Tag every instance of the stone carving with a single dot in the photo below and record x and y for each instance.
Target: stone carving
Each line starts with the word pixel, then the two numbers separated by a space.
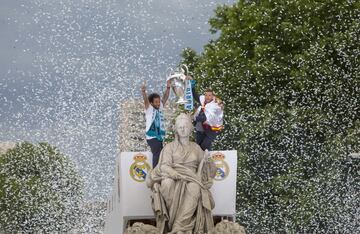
pixel 224 227
pixel 180 184
pixel 228 227
pixel 140 228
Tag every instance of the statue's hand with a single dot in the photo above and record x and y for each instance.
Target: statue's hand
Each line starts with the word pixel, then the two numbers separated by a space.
pixel 175 175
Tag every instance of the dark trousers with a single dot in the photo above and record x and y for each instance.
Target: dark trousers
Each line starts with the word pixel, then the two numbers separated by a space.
pixel 205 138
pixel 156 146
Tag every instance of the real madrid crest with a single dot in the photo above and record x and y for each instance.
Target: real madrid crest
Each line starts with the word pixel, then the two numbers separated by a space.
pixel 140 168
pixel 222 168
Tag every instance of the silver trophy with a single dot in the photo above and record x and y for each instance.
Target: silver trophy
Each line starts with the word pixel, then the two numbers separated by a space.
pixel 177 79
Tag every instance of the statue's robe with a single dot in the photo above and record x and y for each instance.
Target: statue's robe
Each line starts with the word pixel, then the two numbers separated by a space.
pixel 180 183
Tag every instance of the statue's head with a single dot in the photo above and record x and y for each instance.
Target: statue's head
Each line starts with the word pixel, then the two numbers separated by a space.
pixel 183 125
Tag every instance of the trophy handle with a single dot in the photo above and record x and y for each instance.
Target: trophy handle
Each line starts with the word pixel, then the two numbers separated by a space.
pixel 169 72
pixel 184 69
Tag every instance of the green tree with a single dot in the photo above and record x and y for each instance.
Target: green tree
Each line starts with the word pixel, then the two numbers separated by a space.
pixel 288 72
pixel 40 190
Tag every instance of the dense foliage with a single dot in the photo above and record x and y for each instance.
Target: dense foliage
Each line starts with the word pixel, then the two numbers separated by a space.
pixel 40 190
pixel 288 72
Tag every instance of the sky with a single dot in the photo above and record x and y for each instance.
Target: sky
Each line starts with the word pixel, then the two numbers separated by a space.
pixel 65 65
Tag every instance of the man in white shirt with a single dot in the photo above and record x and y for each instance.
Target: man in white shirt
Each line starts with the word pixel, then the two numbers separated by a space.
pixel 155 128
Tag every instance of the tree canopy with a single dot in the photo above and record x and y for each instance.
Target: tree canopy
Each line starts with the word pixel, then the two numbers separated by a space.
pixel 288 72
pixel 40 190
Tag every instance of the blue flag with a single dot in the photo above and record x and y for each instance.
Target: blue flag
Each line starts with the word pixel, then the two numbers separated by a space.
pixel 189 105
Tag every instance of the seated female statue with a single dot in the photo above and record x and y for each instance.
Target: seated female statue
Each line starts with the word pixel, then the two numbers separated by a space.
pixel 180 183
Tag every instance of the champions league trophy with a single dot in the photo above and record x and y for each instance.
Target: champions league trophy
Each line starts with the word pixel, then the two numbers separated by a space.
pixel 177 79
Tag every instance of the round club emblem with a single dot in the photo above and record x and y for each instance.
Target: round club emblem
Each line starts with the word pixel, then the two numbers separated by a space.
pixel 140 168
pixel 222 168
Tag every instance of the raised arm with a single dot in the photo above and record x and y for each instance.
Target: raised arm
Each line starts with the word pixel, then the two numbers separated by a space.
pixel 143 92
pixel 167 93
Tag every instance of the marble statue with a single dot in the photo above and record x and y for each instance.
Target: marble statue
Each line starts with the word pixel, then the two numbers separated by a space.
pixel 180 183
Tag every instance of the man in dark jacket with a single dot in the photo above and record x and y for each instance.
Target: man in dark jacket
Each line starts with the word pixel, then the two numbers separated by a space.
pixel 208 117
